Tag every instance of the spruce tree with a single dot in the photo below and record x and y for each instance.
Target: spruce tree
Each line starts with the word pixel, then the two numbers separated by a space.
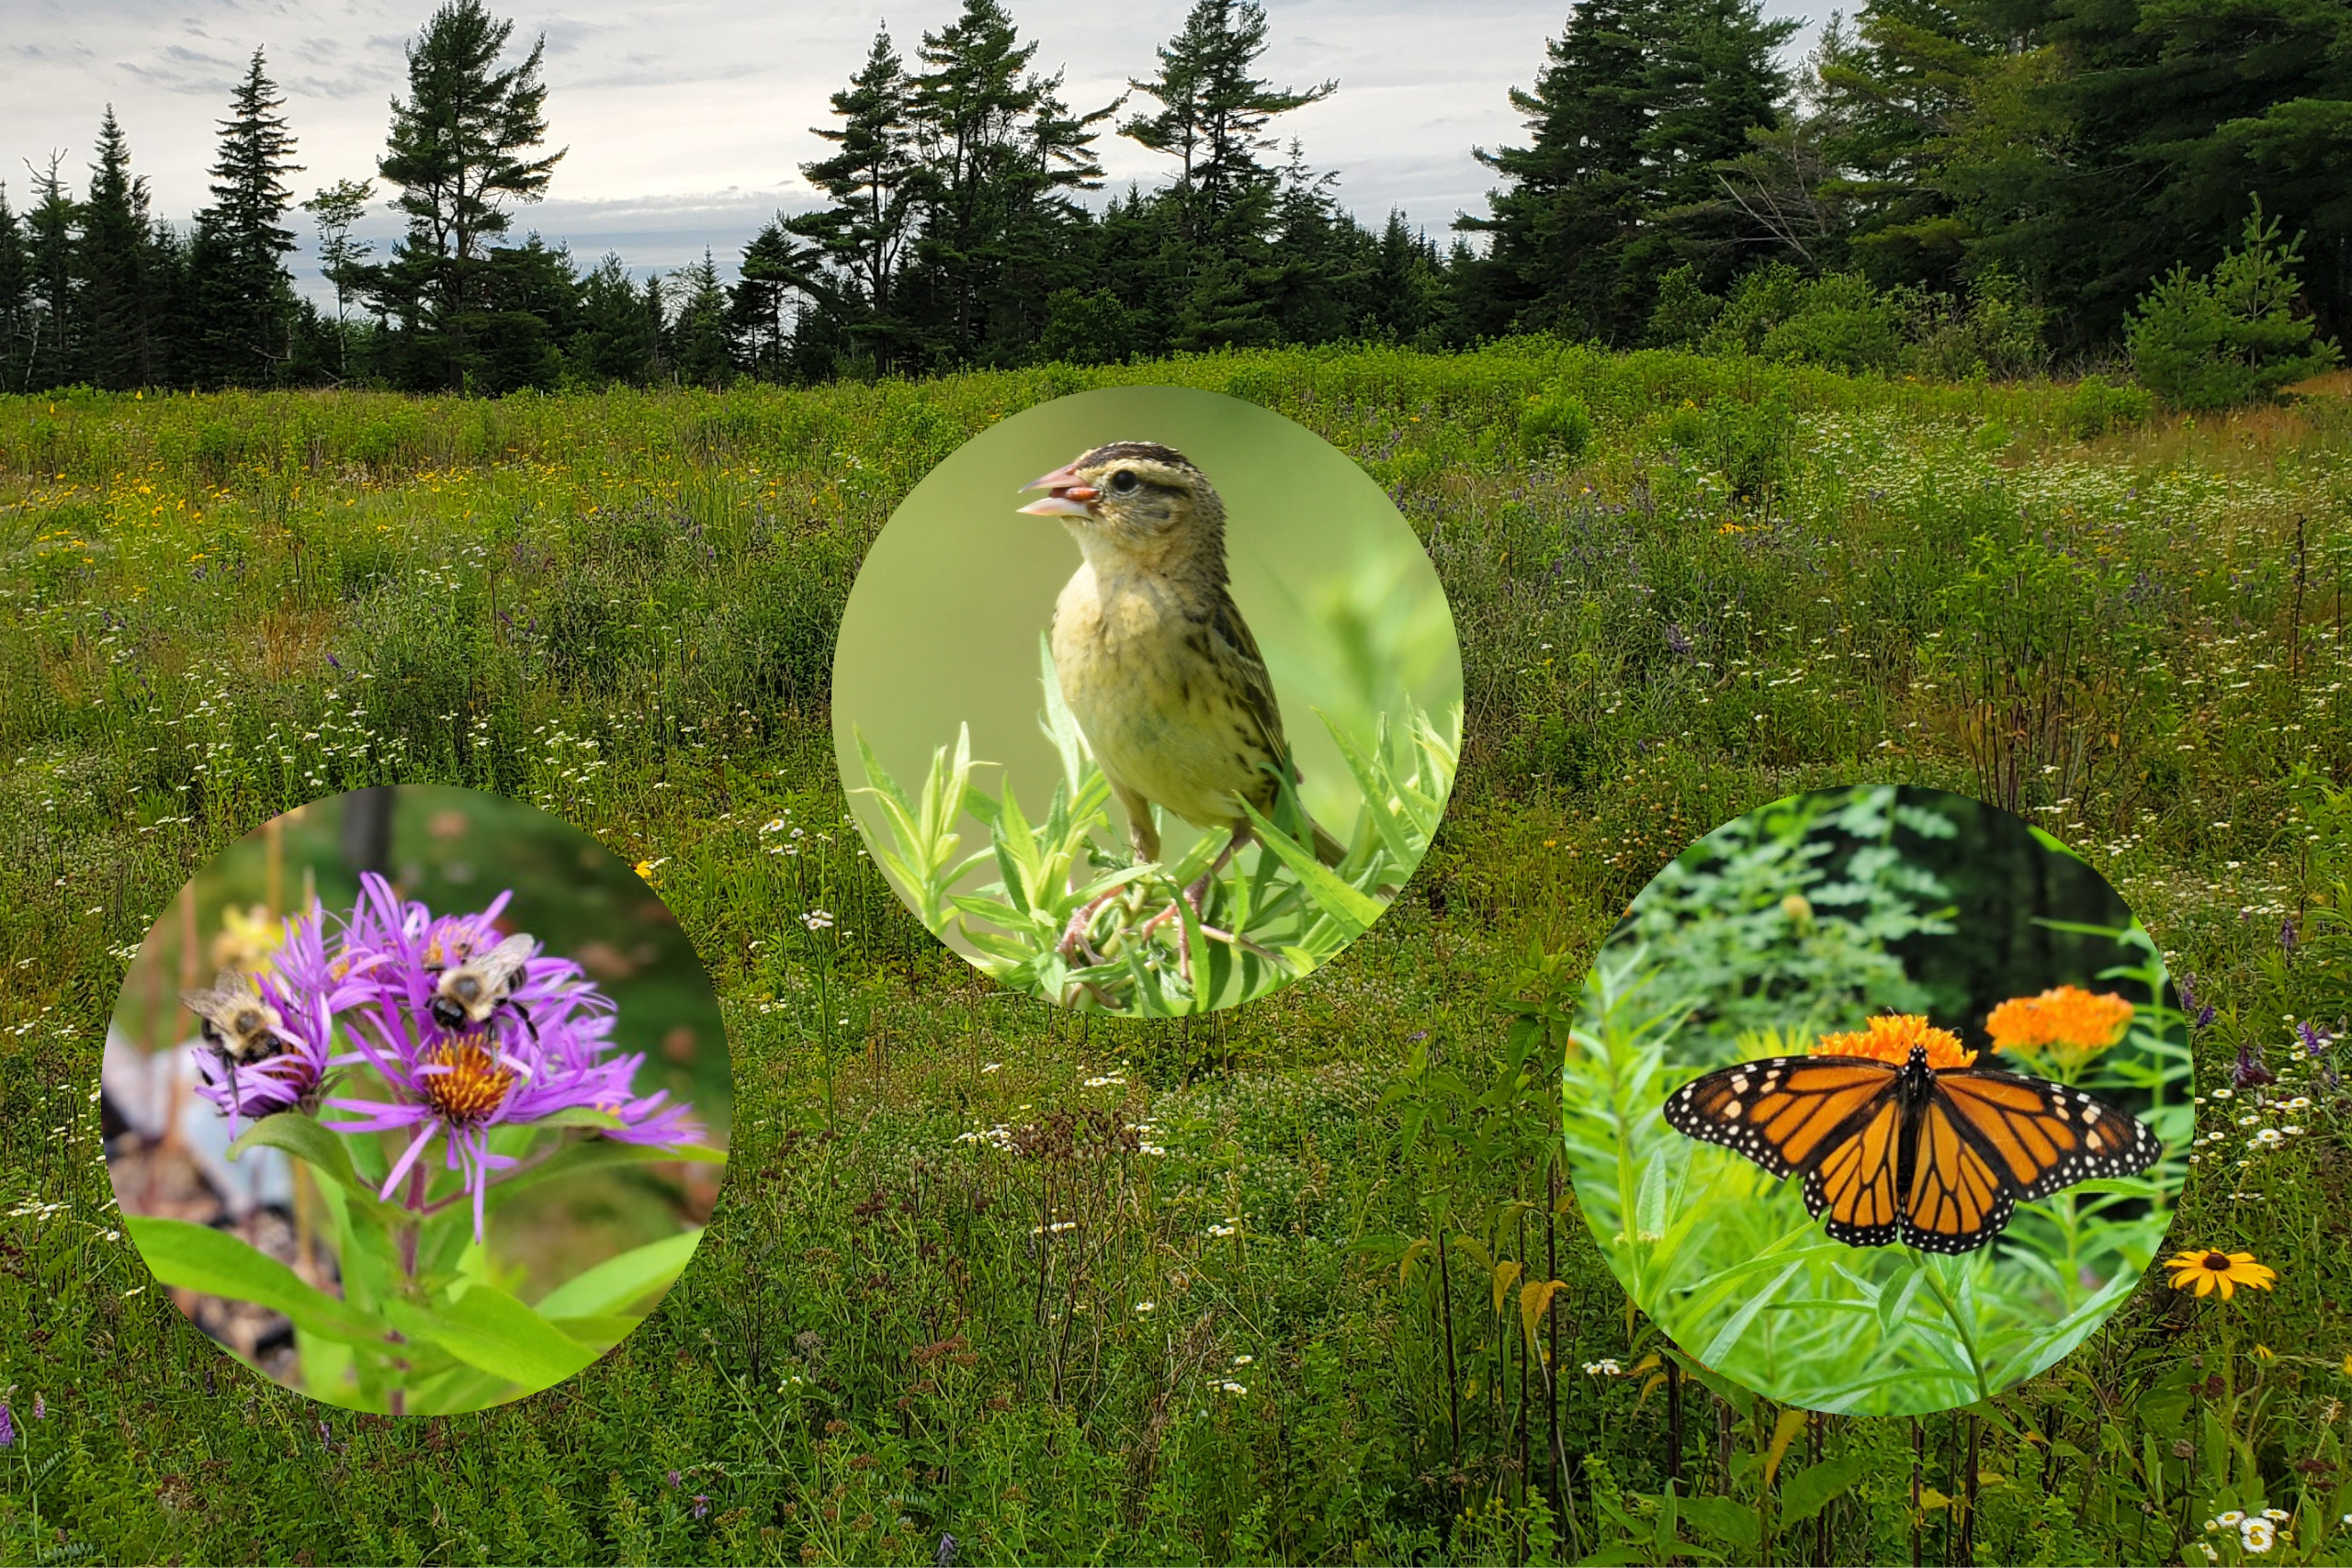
pixel 117 301
pixel 242 294
pixel 698 346
pixel 460 151
pixel 615 341
pixel 1578 191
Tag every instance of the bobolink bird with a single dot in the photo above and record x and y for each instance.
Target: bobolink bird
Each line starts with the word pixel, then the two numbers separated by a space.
pixel 1155 660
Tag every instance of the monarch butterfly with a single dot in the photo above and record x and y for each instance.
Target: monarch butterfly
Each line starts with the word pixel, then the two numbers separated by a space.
pixel 1940 1157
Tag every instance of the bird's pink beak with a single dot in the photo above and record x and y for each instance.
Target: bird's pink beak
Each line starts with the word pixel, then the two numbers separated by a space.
pixel 1069 497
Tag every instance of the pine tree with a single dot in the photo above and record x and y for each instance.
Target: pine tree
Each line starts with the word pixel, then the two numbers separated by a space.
pixel 761 315
pixel 458 151
pixel 1642 107
pixel 117 303
pixel 53 345
pixel 1212 114
pixel 965 113
pixel 873 182
pixel 243 296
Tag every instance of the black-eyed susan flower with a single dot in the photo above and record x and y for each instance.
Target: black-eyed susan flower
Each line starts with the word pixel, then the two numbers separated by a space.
pixel 2204 1271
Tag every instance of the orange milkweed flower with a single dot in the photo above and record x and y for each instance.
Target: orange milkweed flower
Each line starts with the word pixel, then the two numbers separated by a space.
pixel 1889 1039
pixel 2066 1018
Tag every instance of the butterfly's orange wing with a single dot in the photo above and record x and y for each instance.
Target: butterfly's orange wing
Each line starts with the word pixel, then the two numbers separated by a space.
pixel 1942 1165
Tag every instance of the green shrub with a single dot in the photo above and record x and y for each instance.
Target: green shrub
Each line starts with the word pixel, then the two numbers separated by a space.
pixel 2098 405
pixel 1684 310
pixel 1994 330
pixel 1555 424
pixel 2232 337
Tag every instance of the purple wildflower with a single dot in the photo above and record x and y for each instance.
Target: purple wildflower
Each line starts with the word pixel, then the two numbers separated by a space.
pixel 674 1480
pixel 2316 1041
pixel 2287 937
pixel 543 1053
pixel 40 1408
pixel 2251 1071
pixel 702 1503
pixel 308 990
pixel 7 1428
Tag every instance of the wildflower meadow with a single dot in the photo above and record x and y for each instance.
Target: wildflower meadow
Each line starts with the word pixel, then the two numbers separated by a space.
pixel 990 1280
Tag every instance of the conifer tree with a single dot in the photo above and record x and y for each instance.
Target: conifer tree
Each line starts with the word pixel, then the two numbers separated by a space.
pixel 1213 115
pixel 460 151
pixel 242 294
pixel 53 345
pixel 117 301
pixel 698 346
pixel 15 299
pixel 874 183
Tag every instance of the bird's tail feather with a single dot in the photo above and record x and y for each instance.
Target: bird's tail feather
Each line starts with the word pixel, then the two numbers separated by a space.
pixel 1328 849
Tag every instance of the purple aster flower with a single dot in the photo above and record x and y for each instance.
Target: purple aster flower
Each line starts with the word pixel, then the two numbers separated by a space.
pixel 306 989
pixel 541 1052
pixel 2251 1071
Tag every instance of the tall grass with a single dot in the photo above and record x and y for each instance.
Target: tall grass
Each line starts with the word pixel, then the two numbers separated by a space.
pixel 990 1269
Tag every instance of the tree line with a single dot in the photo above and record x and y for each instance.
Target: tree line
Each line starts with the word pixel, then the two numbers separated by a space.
pixel 1968 185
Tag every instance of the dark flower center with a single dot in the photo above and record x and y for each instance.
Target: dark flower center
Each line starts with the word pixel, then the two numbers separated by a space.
pixel 2217 1261
pixel 474 1085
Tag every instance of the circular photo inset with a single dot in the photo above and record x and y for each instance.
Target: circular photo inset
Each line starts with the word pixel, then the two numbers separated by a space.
pixel 1878 1102
pixel 1147 700
pixel 416 1100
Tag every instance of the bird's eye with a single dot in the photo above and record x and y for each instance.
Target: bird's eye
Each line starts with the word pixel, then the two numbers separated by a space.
pixel 1122 482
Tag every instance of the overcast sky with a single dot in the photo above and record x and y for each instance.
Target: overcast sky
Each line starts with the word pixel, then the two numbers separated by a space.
pixel 687 120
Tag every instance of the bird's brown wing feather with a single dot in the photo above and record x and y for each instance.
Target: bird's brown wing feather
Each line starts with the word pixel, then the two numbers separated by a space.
pixel 1254 685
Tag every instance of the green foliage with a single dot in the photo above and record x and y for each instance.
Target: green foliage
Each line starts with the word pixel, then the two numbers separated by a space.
pixel 2205 723
pixel 1783 919
pixel 2098 406
pixel 1264 920
pixel 1743 1277
pixel 2233 336
pixel 1555 424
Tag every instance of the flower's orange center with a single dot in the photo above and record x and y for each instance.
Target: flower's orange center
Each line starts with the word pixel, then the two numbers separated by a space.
pixel 474 1085
pixel 1891 1037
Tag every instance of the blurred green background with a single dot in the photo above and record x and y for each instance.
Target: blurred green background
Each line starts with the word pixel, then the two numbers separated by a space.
pixel 942 627
pixel 456 850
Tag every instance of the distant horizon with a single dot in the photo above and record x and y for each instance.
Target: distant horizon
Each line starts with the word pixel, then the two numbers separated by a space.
pixel 1417 90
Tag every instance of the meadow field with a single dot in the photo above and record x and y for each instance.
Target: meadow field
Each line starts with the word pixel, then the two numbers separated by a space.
pixel 1300 1281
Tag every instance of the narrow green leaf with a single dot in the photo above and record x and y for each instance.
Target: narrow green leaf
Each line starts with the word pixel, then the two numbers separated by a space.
pixel 489 1329
pixel 620 1282
pixel 198 1258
